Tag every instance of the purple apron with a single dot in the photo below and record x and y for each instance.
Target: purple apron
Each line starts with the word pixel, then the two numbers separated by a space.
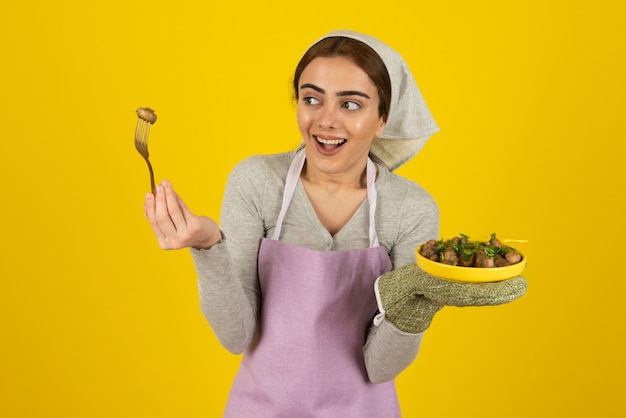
pixel 316 308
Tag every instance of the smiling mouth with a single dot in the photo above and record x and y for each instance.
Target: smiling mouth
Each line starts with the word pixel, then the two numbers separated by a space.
pixel 329 143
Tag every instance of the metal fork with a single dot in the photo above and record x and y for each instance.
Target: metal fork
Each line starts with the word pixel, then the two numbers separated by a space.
pixel 146 117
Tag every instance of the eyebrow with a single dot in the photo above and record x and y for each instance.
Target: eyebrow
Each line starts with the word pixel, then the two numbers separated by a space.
pixel 340 93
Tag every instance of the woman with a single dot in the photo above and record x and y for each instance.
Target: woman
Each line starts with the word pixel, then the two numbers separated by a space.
pixel 292 280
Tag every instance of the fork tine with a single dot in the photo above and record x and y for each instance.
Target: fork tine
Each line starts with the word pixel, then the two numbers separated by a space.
pixel 142 132
pixel 137 143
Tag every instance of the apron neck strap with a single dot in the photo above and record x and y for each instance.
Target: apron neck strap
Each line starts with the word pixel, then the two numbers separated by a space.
pixel 293 175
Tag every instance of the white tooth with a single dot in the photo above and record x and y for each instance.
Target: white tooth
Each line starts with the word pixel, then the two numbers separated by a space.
pixel 331 141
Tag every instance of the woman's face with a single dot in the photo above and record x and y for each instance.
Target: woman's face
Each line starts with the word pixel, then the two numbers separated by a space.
pixel 337 115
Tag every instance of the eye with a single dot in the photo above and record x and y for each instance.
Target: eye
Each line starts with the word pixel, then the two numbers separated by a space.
pixel 311 101
pixel 351 105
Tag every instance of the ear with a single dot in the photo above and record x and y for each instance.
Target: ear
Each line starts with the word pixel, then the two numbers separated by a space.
pixel 381 128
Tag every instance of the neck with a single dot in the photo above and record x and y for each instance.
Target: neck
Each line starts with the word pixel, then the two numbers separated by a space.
pixel 354 178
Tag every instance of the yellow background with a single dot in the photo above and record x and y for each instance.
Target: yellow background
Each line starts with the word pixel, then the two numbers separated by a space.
pixel 96 321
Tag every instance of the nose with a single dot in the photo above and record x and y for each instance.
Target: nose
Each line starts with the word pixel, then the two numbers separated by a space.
pixel 329 117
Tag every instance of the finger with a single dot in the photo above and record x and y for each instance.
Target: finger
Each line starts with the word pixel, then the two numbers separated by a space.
pixel 162 216
pixel 146 206
pixel 187 214
pixel 173 206
pixel 150 212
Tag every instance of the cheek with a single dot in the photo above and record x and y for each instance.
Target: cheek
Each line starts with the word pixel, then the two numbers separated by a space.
pixel 299 120
pixel 369 128
pixel 303 119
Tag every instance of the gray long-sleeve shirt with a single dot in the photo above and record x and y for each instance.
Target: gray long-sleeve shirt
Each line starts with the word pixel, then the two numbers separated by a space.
pixel 406 217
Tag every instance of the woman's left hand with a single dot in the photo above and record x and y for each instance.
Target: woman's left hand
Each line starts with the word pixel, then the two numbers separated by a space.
pixel 410 297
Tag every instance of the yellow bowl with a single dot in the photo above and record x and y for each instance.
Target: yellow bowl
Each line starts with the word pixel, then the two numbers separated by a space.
pixel 469 274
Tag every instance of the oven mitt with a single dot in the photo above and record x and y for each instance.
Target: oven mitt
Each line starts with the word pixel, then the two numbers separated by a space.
pixel 409 298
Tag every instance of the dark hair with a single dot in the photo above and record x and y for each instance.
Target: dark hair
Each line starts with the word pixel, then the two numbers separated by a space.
pixel 362 55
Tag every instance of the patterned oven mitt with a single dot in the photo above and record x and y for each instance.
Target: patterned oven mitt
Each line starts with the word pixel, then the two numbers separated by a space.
pixel 409 298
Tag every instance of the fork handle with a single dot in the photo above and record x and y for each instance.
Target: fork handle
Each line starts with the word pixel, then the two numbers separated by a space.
pixel 152 186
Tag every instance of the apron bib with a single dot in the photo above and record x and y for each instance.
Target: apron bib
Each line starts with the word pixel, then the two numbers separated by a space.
pixel 316 308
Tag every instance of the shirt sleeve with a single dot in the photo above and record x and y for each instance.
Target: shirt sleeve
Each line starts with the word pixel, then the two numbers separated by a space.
pixel 227 273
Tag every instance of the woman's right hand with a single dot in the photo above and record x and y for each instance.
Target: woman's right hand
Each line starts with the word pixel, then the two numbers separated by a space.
pixel 174 225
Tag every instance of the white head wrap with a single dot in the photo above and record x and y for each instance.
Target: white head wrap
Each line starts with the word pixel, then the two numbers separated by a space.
pixel 409 123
